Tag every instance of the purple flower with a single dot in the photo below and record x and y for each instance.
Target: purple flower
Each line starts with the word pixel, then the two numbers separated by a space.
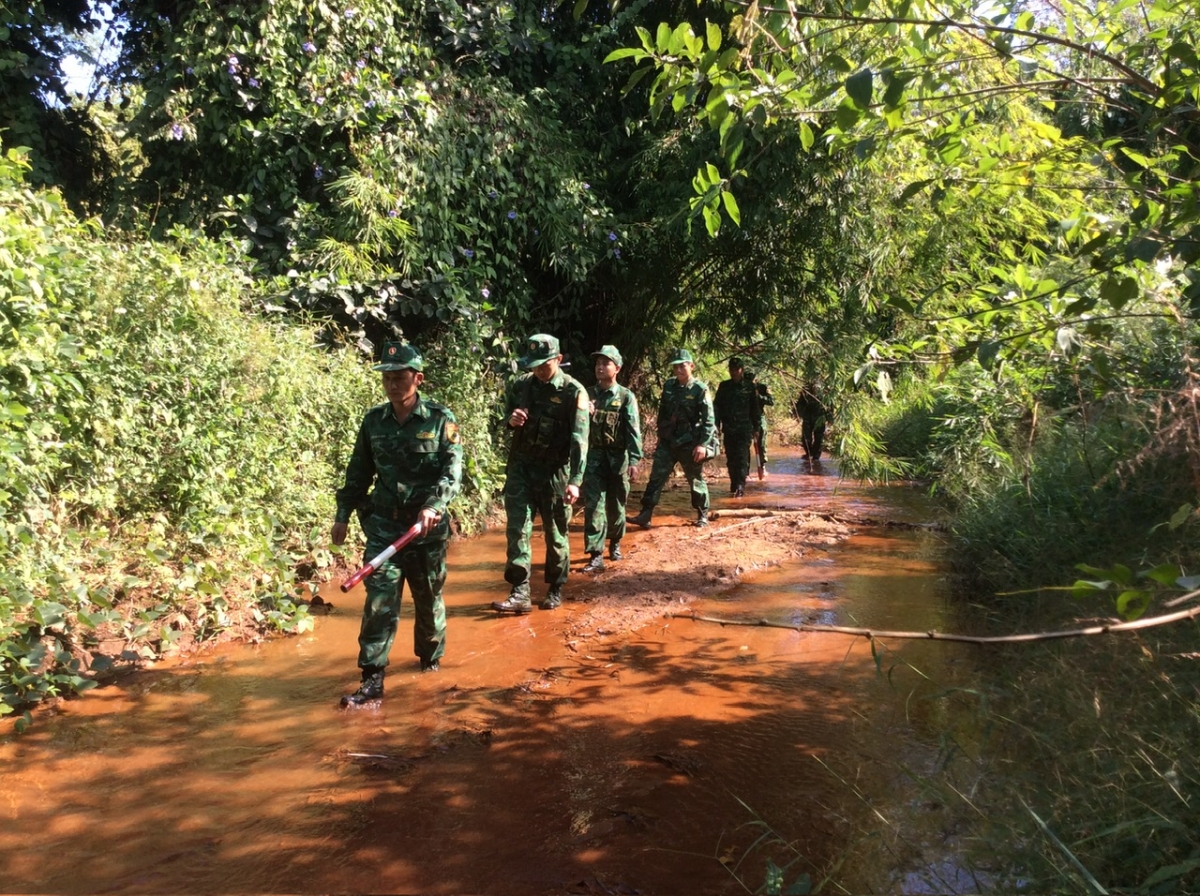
pixel 370 104
pixel 612 237
pixel 253 82
pixel 190 70
pixel 309 47
pixel 232 69
pixel 361 63
pixel 318 172
pixel 176 132
pixel 393 213
pixel 486 293
pixel 350 13
pixel 233 61
pixel 492 194
pixel 616 253
pixel 320 100
pixel 470 253
pixel 512 216
pixel 587 186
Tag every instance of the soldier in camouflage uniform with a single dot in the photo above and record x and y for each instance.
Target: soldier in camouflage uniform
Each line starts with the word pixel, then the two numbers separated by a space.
pixel 614 449
pixel 737 412
pixel 687 435
pixel 760 434
pixel 548 414
pixel 405 469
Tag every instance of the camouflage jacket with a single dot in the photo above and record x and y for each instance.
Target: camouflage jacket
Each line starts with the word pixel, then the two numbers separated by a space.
pixel 397 469
pixel 556 429
pixel 685 416
pixel 616 427
pixel 737 408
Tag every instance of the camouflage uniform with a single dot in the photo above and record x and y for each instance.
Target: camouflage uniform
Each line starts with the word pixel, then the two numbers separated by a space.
pixel 737 411
pixel 413 465
pixel 615 444
pixel 813 414
pixel 548 453
pixel 685 420
pixel 765 398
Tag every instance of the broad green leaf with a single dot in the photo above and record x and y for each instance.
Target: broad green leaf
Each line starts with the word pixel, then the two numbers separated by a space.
pixel 731 207
pixel 1118 290
pixel 714 36
pixel 1132 604
pixel 806 136
pixel 859 88
pixel 1180 516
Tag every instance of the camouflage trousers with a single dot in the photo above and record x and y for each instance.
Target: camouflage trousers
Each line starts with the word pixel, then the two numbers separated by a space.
pixel 737 457
pixel 605 491
pixel 665 459
pixel 534 486
pixel 423 566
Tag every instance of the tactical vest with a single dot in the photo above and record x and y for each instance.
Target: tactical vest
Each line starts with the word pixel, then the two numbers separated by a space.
pixel 546 434
pixel 605 429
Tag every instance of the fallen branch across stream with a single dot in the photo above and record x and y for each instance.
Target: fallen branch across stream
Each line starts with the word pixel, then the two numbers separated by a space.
pixel 762 514
pixel 1105 629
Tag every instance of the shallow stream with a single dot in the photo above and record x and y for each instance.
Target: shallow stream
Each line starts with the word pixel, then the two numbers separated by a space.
pixel 536 761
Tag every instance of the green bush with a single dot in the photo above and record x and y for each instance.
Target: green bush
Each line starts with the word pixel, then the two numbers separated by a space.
pixel 168 460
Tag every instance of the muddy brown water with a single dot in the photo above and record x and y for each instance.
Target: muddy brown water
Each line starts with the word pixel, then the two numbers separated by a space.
pixel 645 761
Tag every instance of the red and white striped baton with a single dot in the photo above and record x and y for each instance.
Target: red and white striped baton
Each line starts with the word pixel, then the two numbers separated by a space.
pixel 382 558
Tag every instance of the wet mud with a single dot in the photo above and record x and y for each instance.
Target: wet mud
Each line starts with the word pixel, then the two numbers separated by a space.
pixel 600 748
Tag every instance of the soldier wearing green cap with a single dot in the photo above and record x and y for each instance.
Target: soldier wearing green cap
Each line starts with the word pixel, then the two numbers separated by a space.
pixel 614 449
pixel 737 411
pixel 765 398
pixel 547 412
pixel 405 469
pixel 687 435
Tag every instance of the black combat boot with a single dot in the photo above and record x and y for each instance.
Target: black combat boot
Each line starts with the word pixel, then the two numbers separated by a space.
pixel 643 518
pixel 614 551
pixel 740 491
pixel 553 598
pixel 517 601
pixel 371 689
pixel 595 564
pixel 430 666
pixel 701 518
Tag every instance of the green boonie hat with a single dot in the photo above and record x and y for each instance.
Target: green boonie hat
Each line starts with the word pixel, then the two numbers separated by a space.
pixel 400 356
pixel 610 352
pixel 682 356
pixel 540 348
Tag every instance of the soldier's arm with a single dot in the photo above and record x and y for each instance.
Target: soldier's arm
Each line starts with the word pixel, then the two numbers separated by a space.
pixel 449 481
pixel 708 420
pixel 360 474
pixel 633 430
pixel 579 437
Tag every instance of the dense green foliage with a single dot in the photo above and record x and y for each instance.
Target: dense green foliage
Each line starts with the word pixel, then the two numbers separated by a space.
pixel 168 460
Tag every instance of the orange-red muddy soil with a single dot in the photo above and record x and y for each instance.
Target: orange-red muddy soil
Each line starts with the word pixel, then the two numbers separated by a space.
pixel 605 747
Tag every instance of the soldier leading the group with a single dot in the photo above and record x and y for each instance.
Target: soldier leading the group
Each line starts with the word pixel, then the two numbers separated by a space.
pixel 614 449
pixel 737 412
pixel 405 469
pixel 687 435
pixel 547 412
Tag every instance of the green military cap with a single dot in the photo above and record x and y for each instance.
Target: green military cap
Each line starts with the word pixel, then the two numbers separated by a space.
pixel 610 352
pixel 682 356
pixel 540 348
pixel 735 363
pixel 400 356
